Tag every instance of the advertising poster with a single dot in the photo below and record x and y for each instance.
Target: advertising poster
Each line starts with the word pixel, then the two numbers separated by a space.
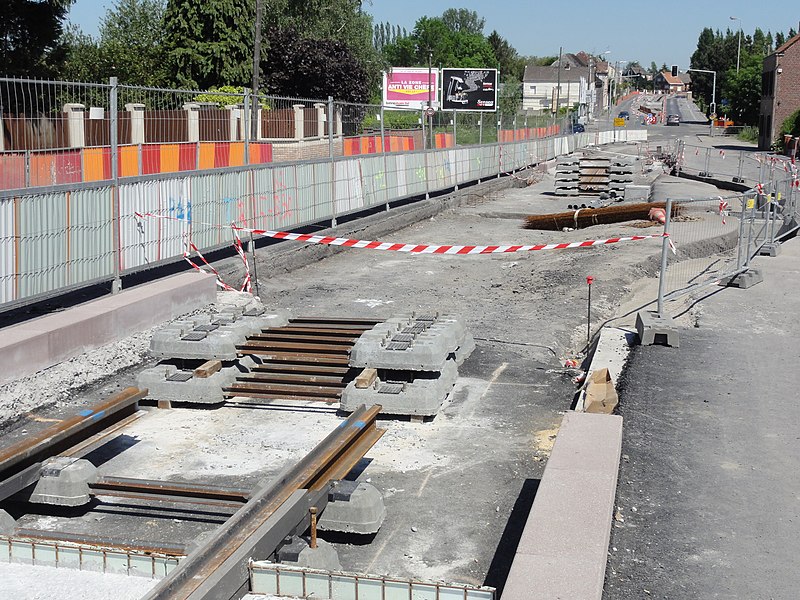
pixel 469 89
pixel 408 87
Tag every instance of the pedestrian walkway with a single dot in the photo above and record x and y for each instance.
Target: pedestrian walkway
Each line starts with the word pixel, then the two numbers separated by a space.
pixel 708 497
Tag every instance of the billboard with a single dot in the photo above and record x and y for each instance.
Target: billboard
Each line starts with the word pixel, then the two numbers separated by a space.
pixel 469 89
pixel 408 87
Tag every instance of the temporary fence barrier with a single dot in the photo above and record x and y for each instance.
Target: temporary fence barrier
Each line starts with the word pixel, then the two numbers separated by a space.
pixel 710 240
pixel 97 154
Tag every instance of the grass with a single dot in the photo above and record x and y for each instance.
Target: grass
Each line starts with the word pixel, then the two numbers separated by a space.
pixel 748 134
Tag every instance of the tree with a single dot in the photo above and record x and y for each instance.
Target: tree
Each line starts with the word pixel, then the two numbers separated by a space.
pixel 743 90
pixel 510 98
pixel 312 68
pixel 30 31
pixel 209 43
pixel 461 20
pixel 449 48
pixel 509 62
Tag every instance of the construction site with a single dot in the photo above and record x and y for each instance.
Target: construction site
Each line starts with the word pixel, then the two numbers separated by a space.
pixel 374 417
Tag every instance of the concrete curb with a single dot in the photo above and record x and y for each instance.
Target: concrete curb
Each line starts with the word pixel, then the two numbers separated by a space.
pixel 564 547
pixel 40 343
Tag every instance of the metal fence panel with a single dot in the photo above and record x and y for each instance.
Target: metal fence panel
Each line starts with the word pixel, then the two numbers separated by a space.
pixel 349 188
pixel 42 223
pixel 91 241
pixel 373 174
pixel 8 250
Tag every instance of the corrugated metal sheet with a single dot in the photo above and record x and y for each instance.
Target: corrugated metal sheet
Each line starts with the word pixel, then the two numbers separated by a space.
pixel 300 208
pixel 139 238
pixel 42 229
pixel 373 173
pixel 91 231
pixel 7 251
pixel 263 199
pixel 349 186
pixel 323 208
pixel 206 210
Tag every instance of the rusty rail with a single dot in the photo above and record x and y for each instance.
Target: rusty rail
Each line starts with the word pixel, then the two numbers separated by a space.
pixel 218 569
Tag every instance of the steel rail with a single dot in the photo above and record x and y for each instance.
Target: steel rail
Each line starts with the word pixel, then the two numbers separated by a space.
pixel 218 569
pixel 109 486
pixel 20 463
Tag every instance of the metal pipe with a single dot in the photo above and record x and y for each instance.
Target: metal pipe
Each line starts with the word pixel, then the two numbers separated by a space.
pixel 313 512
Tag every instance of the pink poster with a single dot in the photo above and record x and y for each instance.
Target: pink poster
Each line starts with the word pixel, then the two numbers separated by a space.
pixel 408 87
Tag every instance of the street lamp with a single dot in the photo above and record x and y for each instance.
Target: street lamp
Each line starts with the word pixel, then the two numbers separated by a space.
pixel 713 93
pixel 739 49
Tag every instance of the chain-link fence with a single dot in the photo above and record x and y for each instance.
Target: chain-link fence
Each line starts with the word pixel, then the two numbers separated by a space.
pixel 711 240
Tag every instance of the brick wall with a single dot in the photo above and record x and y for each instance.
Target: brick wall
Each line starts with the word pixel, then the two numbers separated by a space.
pixel 787 86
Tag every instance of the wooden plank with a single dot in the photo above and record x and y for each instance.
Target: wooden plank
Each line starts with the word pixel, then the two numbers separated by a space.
pixel 208 368
pixel 366 378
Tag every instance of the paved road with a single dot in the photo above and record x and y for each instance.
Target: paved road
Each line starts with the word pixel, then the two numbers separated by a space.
pixel 708 495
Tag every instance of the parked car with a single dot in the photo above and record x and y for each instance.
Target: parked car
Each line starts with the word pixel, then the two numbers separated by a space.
pixel 673 120
pixel 578 128
pixel 624 114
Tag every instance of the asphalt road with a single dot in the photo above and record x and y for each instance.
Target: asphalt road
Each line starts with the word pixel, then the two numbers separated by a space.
pixel 708 497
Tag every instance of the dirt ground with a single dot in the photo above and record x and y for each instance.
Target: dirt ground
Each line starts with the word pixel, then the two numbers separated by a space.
pixel 458 488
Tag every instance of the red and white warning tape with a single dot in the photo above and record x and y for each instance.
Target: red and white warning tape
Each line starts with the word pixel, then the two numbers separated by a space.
pixel 427 248
pixel 723 209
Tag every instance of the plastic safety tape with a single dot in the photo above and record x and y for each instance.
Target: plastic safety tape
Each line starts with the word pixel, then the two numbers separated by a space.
pixel 426 248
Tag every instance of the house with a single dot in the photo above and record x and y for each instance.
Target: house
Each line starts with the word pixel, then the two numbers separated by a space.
pixel 665 81
pixel 780 90
pixel 543 87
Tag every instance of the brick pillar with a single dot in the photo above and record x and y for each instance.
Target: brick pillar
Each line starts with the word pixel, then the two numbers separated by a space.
pixel 137 122
pixel 76 131
pixel 299 125
pixel 192 121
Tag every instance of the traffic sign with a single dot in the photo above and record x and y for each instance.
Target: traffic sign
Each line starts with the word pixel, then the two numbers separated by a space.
pixel 618 122
pixel 430 111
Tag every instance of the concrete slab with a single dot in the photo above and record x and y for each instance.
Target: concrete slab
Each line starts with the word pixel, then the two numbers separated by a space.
pixel 43 342
pixel 353 507
pixel 422 393
pixel 744 280
pixel 300 554
pixel 553 577
pixel 167 383
pixel 64 481
pixel 410 343
pixel 653 329
pixel 211 337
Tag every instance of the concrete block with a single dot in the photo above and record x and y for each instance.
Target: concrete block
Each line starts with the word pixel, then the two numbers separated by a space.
pixel 64 481
pixel 637 193
pixel 40 343
pixel 7 525
pixel 770 250
pixel 743 280
pixel 653 329
pixel 167 383
pixel 411 343
pixel 563 549
pixel 211 337
pixel 298 553
pixel 353 507
pixel 404 392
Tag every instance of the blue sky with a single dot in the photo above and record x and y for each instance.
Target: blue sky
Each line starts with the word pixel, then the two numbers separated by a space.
pixel 666 33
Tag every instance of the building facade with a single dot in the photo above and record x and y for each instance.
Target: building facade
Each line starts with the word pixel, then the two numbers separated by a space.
pixel 545 87
pixel 780 90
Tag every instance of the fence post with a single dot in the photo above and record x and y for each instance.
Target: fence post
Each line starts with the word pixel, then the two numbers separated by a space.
pixel 330 157
pixel 385 164
pixel 708 158
pixel 662 278
pixel 741 252
pixel 756 200
pixel 116 284
pixel 738 178
pixel 499 145
pixel 480 130
pixel 455 136
pixel 425 156
pixel 245 126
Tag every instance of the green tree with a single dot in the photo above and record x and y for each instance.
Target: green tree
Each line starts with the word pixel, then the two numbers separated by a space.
pixel 509 62
pixel 311 68
pixel 209 43
pixel 30 34
pixel 510 98
pixel 449 48
pixel 462 20
pixel 743 90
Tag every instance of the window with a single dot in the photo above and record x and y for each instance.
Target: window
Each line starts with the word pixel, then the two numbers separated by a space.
pixel 532 88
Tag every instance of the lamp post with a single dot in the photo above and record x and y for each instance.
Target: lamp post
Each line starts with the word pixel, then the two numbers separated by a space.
pixel 713 93
pixel 739 49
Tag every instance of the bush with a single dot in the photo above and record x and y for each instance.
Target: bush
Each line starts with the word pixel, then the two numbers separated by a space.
pixel 790 126
pixel 748 134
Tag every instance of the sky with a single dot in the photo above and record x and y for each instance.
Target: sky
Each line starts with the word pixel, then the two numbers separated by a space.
pixel 665 33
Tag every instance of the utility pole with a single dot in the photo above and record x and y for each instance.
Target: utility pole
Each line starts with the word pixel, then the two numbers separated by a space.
pixel 558 85
pixel 256 68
